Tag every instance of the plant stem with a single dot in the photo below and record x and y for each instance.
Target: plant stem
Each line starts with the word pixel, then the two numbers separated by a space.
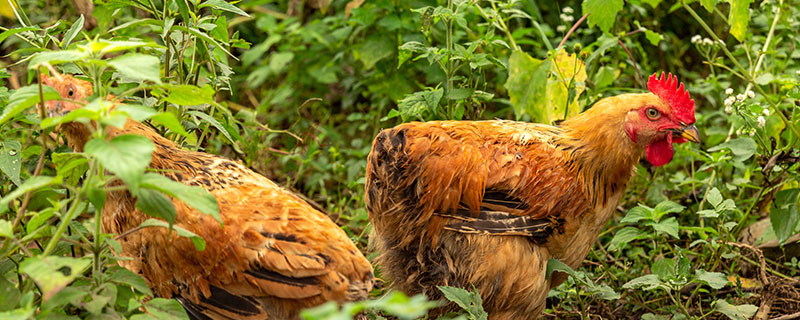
pixel 571 30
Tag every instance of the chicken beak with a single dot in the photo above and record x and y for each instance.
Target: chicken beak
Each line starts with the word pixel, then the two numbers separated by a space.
pixel 688 132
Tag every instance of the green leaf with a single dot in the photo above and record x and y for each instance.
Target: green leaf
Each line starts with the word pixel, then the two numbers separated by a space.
pixel 68 295
pixel 709 4
pixel 716 280
pixel 625 236
pixel 56 57
pixel 193 196
pixel 668 226
pixel 222 5
pixel 11 159
pixel 125 155
pixel 739 18
pixel 9 295
pixel 29 185
pixel 666 207
pixel 13 31
pixel 653 37
pixel 785 213
pixel 375 49
pixel 557 265
pixel 70 166
pixel 25 98
pixel 72 32
pixel 742 148
pixel 155 204
pixel 6 229
pixel 469 301
pixel 604 77
pixel 646 282
pixel 638 213
pixel 198 241
pixel 161 309
pixel 734 312
pixel 17 314
pixel 602 13
pixel 138 66
pixel 714 197
pixel 121 276
pixel 189 95
pixel 169 120
pixel 53 273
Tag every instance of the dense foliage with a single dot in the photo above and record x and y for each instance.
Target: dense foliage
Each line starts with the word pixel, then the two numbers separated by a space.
pixel 297 89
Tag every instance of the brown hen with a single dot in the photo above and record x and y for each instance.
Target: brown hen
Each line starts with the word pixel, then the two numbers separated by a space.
pixel 486 204
pixel 274 256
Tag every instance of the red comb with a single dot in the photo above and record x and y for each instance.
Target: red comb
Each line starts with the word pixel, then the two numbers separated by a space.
pixel 670 90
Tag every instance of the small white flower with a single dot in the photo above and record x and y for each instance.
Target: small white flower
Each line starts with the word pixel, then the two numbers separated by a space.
pixel 766 112
pixel 751 94
pixel 797 72
pixel 774 9
pixel 729 101
pixel 729 91
pixel 761 121
pixel 722 42
pixel 708 42
pixel 561 28
pixel 740 97
pixel 567 18
pixel 752 133
pixel 728 108
pixel 697 38
pixel 567 10
pixel 738 132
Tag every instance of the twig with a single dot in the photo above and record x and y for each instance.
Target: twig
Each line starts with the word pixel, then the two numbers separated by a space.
pixel 760 255
pixel 795 315
pixel 635 65
pixel 571 30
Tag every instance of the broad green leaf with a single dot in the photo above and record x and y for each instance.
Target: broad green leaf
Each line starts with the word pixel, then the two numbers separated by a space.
pixel 72 32
pixel 650 316
pixel 136 112
pixel 602 13
pixel 716 280
pixel 125 155
pixel 653 37
pixel 9 295
pixel 11 159
pixel 213 122
pixel 104 46
pixel 169 120
pixel 222 5
pixel 669 226
pixel 29 185
pixel 25 98
pixel 646 282
pixel 138 66
pixel 625 236
pixel 17 314
pixel 416 105
pixel 70 166
pixel 714 197
pixel 13 31
pixel 606 293
pixel 742 148
pixel 193 196
pixel 545 90
pixel 121 275
pixel 68 295
pixel 734 312
pixel 53 273
pixel 6 229
pixel 638 213
pixel 198 241
pixel 469 301
pixel 376 48
pixel 605 76
pixel 189 95
pixel 56 57
pixel 739 18
pixel 785 213
pixel 155 204
pixel 557 265
pixel 666 207
pixel 664 269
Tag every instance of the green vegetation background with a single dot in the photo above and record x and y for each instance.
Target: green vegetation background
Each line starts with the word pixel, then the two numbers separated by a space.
pixel 296 90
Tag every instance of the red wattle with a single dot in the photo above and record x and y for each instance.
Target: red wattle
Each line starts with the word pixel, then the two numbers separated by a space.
pixel 660 152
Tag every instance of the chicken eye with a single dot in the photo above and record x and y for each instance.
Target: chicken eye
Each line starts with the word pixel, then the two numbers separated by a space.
pixel 70 92
pixel 653 113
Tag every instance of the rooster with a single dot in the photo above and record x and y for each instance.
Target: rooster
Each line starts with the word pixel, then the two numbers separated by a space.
pixel 275 255
pixel 486 204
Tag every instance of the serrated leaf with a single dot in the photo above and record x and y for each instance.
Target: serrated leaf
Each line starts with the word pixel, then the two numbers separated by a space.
pixel 53 273
pixel 666 207
pixel 557 265
pixel 469 301
pixel 638 213
pixel 155 204
pixel 625 236
pixel 193 196
pixel 716 280
pixel 125 155
pixel 138 66
pixel 742 148
pixel 734 312
pixel 646 282
pixel 602 13
pixel 24 98
pixel 161 309
pixel 739 18
pixel 784 215
pixel 11 159
pixel 669 226
pixel 125 276
pixel 714 197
